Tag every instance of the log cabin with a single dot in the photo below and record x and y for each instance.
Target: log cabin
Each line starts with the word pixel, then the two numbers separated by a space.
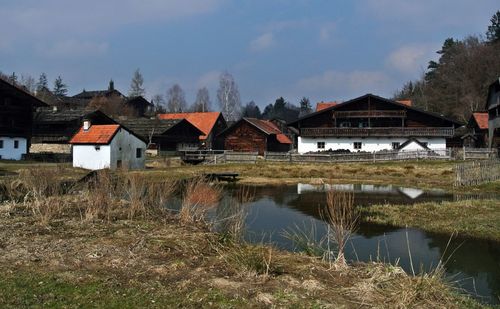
pixel 477 131
pixel 493 108
pixel 16 120
pixel 255 135
pixel 371 123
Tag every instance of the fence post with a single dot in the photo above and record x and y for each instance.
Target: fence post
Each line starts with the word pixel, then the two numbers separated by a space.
pixel 464 152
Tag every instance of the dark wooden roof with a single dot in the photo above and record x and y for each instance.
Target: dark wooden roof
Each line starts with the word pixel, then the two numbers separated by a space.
pixel 20 93
pixel 49 114
pixel 97 93
pixel 144 126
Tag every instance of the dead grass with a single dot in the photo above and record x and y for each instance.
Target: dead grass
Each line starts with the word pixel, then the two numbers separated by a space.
pixel 199 197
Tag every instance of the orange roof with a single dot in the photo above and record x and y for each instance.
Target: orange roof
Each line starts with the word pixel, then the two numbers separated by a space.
pixel 481 120
pixel 96 134
pixel 405 102
pixel 205 122
pixel 283 139
pixel 322 105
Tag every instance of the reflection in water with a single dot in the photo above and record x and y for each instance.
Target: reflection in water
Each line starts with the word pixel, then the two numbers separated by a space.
pixel 475 264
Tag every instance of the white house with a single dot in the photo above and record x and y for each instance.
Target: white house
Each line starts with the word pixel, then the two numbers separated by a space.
pixel 371 123
pixel 107 146
pixel 13 148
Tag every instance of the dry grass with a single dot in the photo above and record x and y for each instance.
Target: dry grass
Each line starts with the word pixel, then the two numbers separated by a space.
pixel 199 197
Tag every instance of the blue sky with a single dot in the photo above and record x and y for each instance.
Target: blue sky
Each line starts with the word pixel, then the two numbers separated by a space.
pixel 324 50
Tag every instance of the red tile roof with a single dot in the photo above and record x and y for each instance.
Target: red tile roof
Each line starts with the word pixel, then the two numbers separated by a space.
pixel 205 122
pixel 269 127
pixel 322 105
pixel 405 102
pixel 481 120
pixel 96 134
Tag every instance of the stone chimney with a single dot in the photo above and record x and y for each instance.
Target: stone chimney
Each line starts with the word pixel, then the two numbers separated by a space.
pixel 86 124
pixel 111 86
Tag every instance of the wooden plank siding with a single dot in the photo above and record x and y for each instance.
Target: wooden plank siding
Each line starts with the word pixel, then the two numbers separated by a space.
pixel 246 138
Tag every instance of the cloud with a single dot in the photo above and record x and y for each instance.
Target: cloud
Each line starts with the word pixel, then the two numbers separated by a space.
pixel 411 58
pixel 326 30
pixel 263 42
pixel 209 79
pixel 345 84
pixel 73 48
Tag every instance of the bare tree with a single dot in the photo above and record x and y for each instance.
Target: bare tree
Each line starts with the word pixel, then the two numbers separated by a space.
pixel 228 96
pixel 136 85
pixel 176 101
pixel 29 83
pixel 158 101
pixel 202 103
pixel 112 106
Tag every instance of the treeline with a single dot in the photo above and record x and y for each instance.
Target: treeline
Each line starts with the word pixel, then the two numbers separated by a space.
pixel 457 84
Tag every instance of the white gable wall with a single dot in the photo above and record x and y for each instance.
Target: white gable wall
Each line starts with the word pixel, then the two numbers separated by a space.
pixel 8 152
pixel 369 144
pixel 92 157
pixel 123 147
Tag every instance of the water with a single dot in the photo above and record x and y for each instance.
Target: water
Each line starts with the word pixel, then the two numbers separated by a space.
pixel 474 264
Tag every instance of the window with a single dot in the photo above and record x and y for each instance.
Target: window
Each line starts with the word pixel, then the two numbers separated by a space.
pixel 395 145
pixel 357 145
pixel 97 148
pixel 345 124
pixel 16 144
pixel 321 145
pixel 1 144
pixel 138 153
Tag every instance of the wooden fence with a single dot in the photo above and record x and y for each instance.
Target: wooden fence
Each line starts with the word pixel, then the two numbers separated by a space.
pixel 476 153
pixel 477 172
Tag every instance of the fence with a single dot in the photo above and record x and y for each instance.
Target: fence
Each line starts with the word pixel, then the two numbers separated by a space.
pixel 475 153
pixel 477 172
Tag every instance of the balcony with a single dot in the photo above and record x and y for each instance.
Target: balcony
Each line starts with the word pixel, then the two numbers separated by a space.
pixel 370 114
pixel 377 132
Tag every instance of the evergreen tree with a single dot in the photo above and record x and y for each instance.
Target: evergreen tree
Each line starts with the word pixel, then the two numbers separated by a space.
pixel 251 110
pixel 305 107
pixel 136 85
pixel 60 88
pixel 493 33
pixel 42 82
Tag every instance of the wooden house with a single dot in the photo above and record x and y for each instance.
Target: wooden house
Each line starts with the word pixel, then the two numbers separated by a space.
pixel 53 128
pixel 493 108
pixel 16 120
pixel 251 134
pixel 371 123
pixel 210 123
pixel 111 146
pixel 166 136
pixel 477 131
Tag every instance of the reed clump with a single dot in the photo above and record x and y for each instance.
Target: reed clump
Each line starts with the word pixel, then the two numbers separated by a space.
pixel 199 196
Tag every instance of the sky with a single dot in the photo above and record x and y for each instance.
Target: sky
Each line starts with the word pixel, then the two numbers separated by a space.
pixel 322 49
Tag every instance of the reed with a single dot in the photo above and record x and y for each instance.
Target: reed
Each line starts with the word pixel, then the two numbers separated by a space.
pixel 199 197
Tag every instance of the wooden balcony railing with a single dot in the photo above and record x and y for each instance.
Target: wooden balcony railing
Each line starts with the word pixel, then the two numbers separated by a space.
pixel 370 114
pixel 366 132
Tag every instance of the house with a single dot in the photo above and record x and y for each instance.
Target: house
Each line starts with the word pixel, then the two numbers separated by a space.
pixel 16 120
pixel 251 134
pixel 493 108
pixel 53 127
pixel 210 123
pixel 107 146
pixel 371 123
pixel 166 136
pixel 477 131
pixel 322 105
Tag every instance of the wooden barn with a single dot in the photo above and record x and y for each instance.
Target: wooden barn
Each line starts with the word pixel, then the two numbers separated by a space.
pixel 493 107
pixel 251 134
pixel 16 120
pixel 166 136
pixel 371 123
pixel 477 131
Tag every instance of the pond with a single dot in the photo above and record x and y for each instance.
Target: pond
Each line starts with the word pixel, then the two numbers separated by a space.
pixel 474 265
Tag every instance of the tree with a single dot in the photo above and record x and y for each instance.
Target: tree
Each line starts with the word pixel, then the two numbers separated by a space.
pixel 159 103
pixel 251 110
pixel 493 33
pixel 228 97
pixel 60 88
pixel 281 110
pixel 112 105
pixel 13 78
pixel 305 107
pixel 42 82
pixel 176 102
pixel 28 83
pixel 202 102
pixel 136 85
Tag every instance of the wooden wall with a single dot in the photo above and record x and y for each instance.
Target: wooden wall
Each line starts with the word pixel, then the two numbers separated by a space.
pixel 245 137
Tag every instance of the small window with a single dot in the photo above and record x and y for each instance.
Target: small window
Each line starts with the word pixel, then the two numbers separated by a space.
pixel 97 148
pixel 1 144
pixel 138 153
pixel 321 145
pixel 395 145
pixel 16 144
pixel 357 145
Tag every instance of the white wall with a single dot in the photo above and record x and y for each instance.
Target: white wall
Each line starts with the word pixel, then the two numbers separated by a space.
pixel 371 144
pixel 8 152
pixel 122 147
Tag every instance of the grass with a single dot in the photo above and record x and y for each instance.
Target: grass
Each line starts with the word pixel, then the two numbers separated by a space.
pixel 474 218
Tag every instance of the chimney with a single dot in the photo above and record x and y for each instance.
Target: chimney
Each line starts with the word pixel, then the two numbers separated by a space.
pixel 86 124
pixel 111 86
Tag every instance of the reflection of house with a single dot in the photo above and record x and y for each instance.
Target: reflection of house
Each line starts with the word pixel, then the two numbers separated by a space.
pixel 371 123
pixel 210 123
pixel 251 134
pixel 167 136
pixel 53 128
pixel 477 131
pixel 107 146
pixel 16 120
pixel 493 107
